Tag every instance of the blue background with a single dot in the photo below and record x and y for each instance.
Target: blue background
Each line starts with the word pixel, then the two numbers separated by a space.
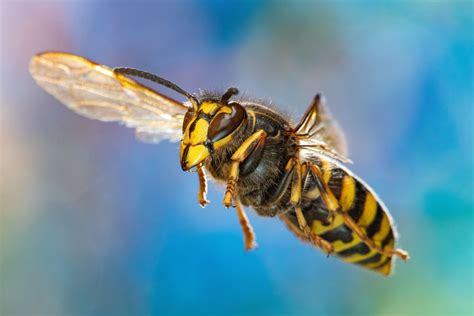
pixel 95 223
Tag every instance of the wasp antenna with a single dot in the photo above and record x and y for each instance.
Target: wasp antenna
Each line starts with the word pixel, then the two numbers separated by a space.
pixel 228 94
pixel 161 81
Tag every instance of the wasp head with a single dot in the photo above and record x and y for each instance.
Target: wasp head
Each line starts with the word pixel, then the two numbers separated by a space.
pixel 209 126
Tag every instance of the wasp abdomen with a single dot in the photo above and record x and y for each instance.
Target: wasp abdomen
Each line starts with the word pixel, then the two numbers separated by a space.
pixel 363 206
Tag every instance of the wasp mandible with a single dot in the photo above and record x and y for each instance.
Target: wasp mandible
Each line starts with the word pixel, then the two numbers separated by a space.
pixel 293 171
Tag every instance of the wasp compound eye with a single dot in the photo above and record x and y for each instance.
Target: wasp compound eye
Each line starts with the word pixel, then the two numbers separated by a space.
pixel 225 123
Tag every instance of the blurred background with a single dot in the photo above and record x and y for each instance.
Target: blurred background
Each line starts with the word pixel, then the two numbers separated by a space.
pixel 95 223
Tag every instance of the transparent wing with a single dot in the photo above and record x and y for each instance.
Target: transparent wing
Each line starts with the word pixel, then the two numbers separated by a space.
pixel 320 133
pixel 96 92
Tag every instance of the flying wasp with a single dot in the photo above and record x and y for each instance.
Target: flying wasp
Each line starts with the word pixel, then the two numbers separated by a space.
pixel 293 171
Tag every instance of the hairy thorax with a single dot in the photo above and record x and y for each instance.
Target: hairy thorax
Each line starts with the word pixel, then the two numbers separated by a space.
pixel 259 176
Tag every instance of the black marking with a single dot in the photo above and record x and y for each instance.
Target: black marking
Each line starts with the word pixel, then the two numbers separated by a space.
pixel 253 160
pixel 361 248
pixel 192 127
pixel 382 263
pixel 342 233
pixel 313 211
pixel 204 116
pixel 335 181
pixel 183 158
pixel 187 118
pixel 210 146
pixel 372 259
pixel 358 205
pixel 281 188
pixel 388 238
pixel 375 225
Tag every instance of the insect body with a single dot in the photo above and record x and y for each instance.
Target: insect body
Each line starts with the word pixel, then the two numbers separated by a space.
pixel 293 171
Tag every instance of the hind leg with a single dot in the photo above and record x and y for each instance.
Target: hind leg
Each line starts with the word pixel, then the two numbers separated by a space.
pixel 299 175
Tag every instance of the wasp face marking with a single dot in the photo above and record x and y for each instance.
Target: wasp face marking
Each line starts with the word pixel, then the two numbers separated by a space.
pixel 210 128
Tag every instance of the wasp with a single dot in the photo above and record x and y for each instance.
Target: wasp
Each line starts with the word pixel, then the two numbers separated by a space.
pixel 295 171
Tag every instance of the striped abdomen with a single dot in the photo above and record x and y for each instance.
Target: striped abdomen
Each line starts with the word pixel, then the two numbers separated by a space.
pixel 363 206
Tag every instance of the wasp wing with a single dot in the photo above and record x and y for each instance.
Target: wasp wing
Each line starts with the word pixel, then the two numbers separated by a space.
pixel 96 92
pixel 320 133
pixel 363 206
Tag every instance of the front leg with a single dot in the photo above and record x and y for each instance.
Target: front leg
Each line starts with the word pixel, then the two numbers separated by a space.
pixel 202 186
pixel 254 144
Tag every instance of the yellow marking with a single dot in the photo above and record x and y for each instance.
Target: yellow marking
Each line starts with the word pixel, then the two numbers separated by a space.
pixel 242 152
pixel 295 196
pixel 341 246
pixel 374 264
pixel 320 229
pixel 390 244
pixel 254 119
pixel 384 229
pixel 326 166
pixel 358 257
pixel 199 134
pixel 290 164
pixel 347 193
pixel 209 107
pixel 385 269
pixel 225 109
pixel 370 209
pixel 223 141
pixel 329 199
pixel 196 154
pixel 382 258
pixel 313 194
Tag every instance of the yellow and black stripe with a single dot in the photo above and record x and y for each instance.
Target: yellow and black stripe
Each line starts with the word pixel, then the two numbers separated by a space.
pixel 364 207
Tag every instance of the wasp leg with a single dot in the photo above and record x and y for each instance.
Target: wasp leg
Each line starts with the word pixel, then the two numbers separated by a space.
pixel 283 185
pixel 334 209
pixel 294 228
pixel 247 230
pixel 254 142
pixel 295 199
pixel 202 186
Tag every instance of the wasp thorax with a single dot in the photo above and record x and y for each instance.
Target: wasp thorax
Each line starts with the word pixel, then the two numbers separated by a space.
pixel 208 128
